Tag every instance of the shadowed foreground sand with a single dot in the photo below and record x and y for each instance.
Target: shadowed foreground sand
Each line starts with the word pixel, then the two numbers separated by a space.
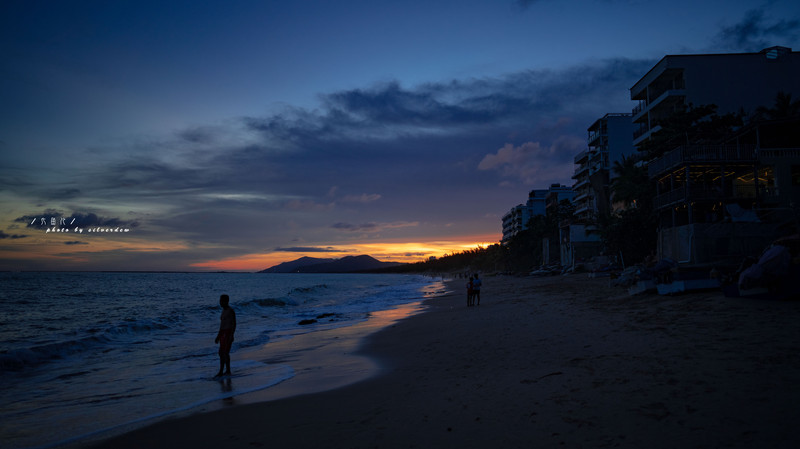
pixel 543 362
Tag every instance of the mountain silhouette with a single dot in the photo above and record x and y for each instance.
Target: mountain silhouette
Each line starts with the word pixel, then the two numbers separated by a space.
pixel 348 264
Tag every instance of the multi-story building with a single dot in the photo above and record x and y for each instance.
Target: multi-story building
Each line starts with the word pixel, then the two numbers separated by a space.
pixel 724 201
pixel 555 195
pixel 734 82
pixel 609 139
pixel 516 220
pixel 721 200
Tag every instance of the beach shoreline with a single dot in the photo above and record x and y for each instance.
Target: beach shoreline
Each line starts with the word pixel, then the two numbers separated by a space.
pixel 321 357
pixel 546 362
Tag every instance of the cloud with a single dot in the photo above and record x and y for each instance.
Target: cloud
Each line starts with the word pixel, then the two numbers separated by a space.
pixel 437 152
pixel 76 242
pixel 368 227
pixel 372 227
pixel 415 254
pixel 204 135
pixel 525 4
pixel 307 249
pixel 390 110
pixel 532 163
pixel 756 31
pixel 389 103
pixel 3 235
pixel 308 205
pixel 363 198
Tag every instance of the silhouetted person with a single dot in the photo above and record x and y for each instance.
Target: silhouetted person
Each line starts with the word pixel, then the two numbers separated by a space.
pixel 476 290
pixel 227 327
pixel 470 292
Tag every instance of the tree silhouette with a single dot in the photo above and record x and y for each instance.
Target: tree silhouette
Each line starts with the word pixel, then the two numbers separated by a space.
pixel 784 107
pixel 632 185
pixel 691 125
pixel 632 231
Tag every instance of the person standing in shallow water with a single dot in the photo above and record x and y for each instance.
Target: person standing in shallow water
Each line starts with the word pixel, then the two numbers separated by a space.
pixel 227 327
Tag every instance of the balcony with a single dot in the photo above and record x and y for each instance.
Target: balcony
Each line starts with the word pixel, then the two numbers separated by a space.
pixel 643 133
pixel 705 193
pixel 594 136
pixel 701 154
pixel 581 196
pixel 639 108
pixel 669 97
pixel 581 156
pixel 581 211
pixel 580 184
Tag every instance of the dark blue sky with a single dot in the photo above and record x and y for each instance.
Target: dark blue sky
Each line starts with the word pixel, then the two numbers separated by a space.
pixel 241 134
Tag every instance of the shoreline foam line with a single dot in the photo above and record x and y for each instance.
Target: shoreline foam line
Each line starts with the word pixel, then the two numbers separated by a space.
pixel 333 357
pixel 326 359
pixel 87 438
pixel 322 360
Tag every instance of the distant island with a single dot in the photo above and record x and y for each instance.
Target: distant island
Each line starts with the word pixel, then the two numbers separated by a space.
pixel 348 264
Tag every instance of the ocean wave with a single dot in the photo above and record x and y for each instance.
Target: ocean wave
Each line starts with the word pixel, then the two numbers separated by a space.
pixel 19 359
pixel 135 327
pixel 263 303
pixel 304 290
pixel 260 339
pixel 274 302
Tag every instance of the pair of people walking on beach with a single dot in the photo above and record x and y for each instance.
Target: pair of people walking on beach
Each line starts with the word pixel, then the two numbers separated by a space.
pixel 473 291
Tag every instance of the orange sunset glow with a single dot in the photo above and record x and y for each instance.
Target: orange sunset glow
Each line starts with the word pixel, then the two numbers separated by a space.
pixel 403 252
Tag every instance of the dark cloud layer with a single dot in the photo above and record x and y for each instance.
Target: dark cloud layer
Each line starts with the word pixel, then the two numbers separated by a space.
pixel 757 31
pixel 3 235
pixel 384 161
pixel 307 249
pixel 368 142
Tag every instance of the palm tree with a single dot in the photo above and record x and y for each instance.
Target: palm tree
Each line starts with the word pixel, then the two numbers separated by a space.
pixel 784 108
pixel 632 184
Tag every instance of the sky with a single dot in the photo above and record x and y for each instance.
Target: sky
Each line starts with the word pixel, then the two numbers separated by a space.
pixel 235 135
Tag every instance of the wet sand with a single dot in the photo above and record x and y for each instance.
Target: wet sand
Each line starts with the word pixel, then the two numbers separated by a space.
pixel 542 362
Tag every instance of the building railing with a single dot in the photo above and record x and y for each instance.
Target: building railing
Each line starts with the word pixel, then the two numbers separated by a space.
pixel 581 183
pixel 778 152
pixel 639 107
pixel 705 193
pixel 640 132
pixel 701 154
pixel 595 135
pixel 581 196
pixel 661 96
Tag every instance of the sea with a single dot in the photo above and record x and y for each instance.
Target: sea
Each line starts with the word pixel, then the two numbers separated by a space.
pixel 85 353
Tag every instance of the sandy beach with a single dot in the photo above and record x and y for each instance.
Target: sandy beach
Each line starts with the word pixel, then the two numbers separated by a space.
pixel 542 362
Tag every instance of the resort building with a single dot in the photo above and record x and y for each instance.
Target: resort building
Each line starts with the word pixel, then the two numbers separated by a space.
pixel 721 199
pixel 556 194
pixel 718 203
pixel 516 220
pixel 609 139
pixel 734 82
